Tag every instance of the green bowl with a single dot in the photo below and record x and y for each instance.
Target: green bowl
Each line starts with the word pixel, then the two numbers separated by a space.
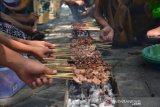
pixel 152 54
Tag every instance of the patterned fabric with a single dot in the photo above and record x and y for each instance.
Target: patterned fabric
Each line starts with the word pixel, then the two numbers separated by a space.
pixel 13 31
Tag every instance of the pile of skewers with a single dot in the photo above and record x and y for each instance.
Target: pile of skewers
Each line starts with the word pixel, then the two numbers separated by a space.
pixel 89 64
pixel 85 25
pixel 83 63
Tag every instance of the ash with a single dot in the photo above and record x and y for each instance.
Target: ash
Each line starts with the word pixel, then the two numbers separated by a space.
pixel 90 95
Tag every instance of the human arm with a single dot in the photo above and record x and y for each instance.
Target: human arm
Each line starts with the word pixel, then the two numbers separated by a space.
pixel 35 43
pixel 98 14
pixel 88 10
pixel 107 32
pixel 25 18
pixel 27 29
pixel 38 51
pixel 31 72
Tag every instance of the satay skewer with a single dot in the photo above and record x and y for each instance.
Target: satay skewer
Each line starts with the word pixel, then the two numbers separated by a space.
pixel 64 61
pixel 63 54
pixel 65 76
pixel 66 46
pixel 103 46
pixel 58 63
pixel 61 50
pixel 61 45
pixel 55 60
pixel 52 60
pixel 61 75
pixel 90 28
pixel 60 68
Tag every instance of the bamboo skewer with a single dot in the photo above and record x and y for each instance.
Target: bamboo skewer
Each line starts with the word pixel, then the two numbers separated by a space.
pixel 61 45
pixel 104 46
pixel 55 60
pixel 61 50
pixel 66 76
pixel 91 28
pixel 52 60
pixel 67 52
pixel 58 63
pixel 67 45
pixel 60 68
pixel 63 54
pixel 64 61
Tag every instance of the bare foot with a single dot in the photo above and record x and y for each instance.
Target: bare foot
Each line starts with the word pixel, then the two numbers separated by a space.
pixel 154 33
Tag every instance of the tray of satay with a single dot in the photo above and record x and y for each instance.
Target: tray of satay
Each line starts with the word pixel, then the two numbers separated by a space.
pixel 87 75
pixel 78 59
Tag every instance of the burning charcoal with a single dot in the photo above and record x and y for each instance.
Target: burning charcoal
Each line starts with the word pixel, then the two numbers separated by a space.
pixel 96 96
pixel 105 105
pixel 108 101
pixel 93 105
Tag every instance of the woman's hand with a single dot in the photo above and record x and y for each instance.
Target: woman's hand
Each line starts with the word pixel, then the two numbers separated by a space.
pixel 107 34
pixel 41 52
pixel 30 71
pixel 33 73
pixel 41 43
pixel 32 17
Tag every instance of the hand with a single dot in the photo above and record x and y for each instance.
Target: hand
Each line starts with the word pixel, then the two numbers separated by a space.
pixel 41 52
pixel 107 34
pixel 41 43
pixel 33 17
pixel 87 11
pixel 32 73
pixel 79 2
